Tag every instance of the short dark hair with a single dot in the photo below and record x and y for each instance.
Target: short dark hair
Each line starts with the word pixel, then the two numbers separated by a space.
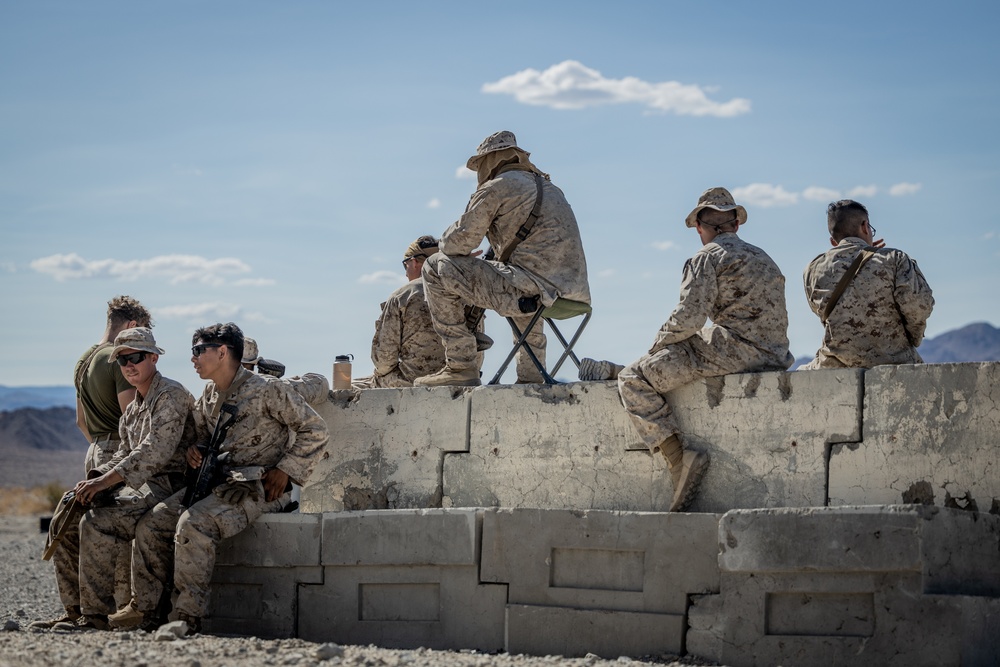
pixel 728 226
pixel 123 309
pixel 844 218
pixel 228 334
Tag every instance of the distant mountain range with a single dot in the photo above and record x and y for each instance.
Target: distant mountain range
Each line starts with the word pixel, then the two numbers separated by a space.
pixel 38 446
pixel 978 341
pixel 12 398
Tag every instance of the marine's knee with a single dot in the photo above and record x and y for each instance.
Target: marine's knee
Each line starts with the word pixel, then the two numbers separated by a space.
pixel 195 527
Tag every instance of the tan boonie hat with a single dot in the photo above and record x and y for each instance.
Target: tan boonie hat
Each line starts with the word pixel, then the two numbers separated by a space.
pixel 425 246
pixel 139 339
pixel 495 142
pixel 250 353
pixel 720 200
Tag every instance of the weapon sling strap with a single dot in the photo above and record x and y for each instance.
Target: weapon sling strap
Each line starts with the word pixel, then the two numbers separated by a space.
pixel 845 280
pixel 526 228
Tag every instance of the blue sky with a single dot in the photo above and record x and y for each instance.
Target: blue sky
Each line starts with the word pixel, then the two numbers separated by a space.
pixel 268 163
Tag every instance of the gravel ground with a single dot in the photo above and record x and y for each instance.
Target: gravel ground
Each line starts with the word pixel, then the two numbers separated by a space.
pixel 29 594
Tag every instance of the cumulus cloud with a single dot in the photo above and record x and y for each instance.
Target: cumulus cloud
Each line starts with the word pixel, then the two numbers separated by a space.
pixel 175 269
pixel 254 282
pixel 434 203
pixel 382 278
pixel 903 189
pixel 765 195
pixel 664 245
pixel 816 193
pixel 863 191
pixel 464 173
pixel 214 310
pixel 571 85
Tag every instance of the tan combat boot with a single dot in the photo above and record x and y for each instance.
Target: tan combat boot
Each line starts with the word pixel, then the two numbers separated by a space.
pixel 687 467
pixel 71 617
pixel 450 377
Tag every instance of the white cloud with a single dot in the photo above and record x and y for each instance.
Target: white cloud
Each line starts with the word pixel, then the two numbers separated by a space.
pixel 988 235
pixel 254 282
pixel 817 193
pixel 765 195
pixel 903 189
pixel 571 85
pixel 606 273
pixel 8 267
pixel 463 173
pixel 664 245
pixel 175 268
pixel 863 191
pixel 434 203
pixel 382 278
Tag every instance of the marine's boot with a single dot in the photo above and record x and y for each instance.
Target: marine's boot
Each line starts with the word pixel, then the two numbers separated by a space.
pixel 687 479
pixel 126 618
pixel 193 623
pixel 450 377
pixel 72 614
pixel 592 370
pixel 92 622
pixel 483 342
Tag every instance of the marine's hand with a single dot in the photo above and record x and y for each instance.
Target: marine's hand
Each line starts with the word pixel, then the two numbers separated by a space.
pixel 275 481
pixel 193 456
pixel 87 489
pixel 878 243
pixel 475 253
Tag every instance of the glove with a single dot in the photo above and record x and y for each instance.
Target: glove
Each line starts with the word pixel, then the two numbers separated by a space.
pixel 235 493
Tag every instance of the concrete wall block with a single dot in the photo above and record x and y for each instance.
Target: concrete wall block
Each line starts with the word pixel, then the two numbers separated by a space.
pixel 385 448
pixel 405 606
pixel 576 632
pixel 561 446
pixel 706 619
pixel 402 537
pixel 929 436
pixel 274 540
pixel 767 434
pixel 258 601
pixel 641 562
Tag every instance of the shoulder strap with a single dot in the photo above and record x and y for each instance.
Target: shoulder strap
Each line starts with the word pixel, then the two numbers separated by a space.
pixel 82 368
pixel 525 229
pixel 845 280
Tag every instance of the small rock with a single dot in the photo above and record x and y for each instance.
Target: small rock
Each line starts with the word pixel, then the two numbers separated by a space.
pixel 171 631
pixel 193 663
pixel 11 626
pixel 21 613
pixel 328 650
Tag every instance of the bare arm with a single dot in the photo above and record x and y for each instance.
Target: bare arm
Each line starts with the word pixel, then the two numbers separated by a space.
pixel 81 420
pixel 125 397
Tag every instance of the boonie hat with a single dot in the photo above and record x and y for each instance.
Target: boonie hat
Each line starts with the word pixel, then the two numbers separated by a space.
pixel 250 352
pixel 139 339
pixel 425 245
pixel 495 142
pixel 720 200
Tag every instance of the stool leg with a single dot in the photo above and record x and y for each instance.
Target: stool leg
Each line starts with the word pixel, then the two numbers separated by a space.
pixel 568 347
pixel 522 343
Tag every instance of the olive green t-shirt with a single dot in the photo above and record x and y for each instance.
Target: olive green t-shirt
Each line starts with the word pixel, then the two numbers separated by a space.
pixel 98 392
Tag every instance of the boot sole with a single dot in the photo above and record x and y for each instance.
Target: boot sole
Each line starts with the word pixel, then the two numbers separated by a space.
pixel 693 483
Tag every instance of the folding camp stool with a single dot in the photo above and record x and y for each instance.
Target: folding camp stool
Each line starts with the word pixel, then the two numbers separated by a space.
pixel 562 309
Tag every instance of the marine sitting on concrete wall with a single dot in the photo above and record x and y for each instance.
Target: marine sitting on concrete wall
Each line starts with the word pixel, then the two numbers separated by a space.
pixel 156 430
pixel 405 345
pixel 879 315
pixel 548 263
pixel 742 291
pixel 312 386
pixel 178 544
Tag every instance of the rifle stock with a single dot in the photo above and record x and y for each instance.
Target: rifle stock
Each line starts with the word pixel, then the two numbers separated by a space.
pixel 69 512
pixel 200 481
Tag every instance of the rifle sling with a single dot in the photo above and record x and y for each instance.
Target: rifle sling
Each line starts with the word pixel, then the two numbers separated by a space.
pixel 525 229
pixel 845 280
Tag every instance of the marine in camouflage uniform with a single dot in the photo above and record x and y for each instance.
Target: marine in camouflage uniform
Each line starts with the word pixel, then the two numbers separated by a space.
pixel 155 430
pixel 742 291
pixel 548 264
pixel 181 543
pixel 881 316
pixel 405 345
pixel 102 394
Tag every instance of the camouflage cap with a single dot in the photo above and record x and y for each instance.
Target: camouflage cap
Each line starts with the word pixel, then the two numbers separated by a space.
pixel 425 246
pixel 495 142
pixel 250 353
pixel 139 339
pixel 720 200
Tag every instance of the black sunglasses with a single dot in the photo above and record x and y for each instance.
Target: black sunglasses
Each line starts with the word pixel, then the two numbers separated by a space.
pixel 198 349
pixel 135 358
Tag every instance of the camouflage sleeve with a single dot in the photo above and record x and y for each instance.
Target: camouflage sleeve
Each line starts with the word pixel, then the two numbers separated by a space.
pixel 168 418
pixel 698 291
pixel 468 232
pixel 388 337
pixel 913 297
pixel 311 434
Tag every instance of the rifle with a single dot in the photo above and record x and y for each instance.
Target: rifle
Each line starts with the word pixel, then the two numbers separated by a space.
pixel 69 511
pixel 200 481
pixel 270 367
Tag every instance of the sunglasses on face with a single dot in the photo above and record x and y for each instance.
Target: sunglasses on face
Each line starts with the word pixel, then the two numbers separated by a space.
pixel 135 358
pixel 198 349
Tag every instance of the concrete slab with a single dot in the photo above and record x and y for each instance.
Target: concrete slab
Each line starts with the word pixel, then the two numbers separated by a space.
pixel 258 601
pixel 398 537
pixel 274 540
pixel 576 632
pixel 929 436
pixel 386 447
pixel 600 560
